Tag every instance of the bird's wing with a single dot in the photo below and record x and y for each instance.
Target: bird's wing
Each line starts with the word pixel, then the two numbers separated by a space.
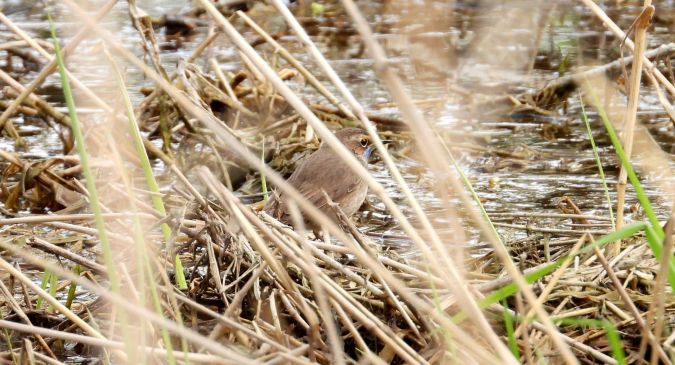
pixel 334 177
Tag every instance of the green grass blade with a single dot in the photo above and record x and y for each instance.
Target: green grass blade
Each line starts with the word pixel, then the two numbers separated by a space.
pixel 53 286
pixel 150 180
pixel 510 330
pixel 90 184
pixel 613 337
pixel 506 291
pixel 639 190
pixel 7 336
pixel 43 285
pixel 84 162
pixel 72 288
pixel 656 245
pixel 143 261
pixel 601 172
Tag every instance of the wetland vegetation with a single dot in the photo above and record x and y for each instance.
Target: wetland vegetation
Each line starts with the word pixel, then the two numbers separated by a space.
pixel 522 213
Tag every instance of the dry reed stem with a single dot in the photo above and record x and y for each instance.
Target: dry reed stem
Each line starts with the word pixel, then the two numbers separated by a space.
pixel 657 307
pixel 548 215
pixel 309 77
pixel 656 347
pixel 254 161
pixel 430 329
pixel 14 305
pixel 34 219
pixel 109 344
pixel 365 244
pixel 332 288
pixel 115 299
pixel 51 66
pixel 467 301
pixel 49 299
pixel 36 100
pixel 403 185
pixel 648 65
pixel 574 232
pixel 550 286
pixel 360 112
pixel 223 80
pixel 628 131
pixel 58 251
pixel 284 299
pixel 229 323
pixel 46 359
pixel 231 98
pixel 436 162
pixel 335 342
pixel 662 98
pixel 22 43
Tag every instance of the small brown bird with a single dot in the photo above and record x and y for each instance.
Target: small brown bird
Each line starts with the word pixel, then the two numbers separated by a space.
pixel 325 171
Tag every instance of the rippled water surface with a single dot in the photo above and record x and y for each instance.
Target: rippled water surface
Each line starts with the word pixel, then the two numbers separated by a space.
pixel 451 54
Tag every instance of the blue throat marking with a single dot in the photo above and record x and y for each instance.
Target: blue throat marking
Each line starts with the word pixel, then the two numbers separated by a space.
pixel 368 152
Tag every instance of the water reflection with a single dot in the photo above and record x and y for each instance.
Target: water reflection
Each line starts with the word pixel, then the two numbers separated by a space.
pixel 450 54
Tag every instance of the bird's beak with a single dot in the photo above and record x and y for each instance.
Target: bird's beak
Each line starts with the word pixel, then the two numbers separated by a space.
pixel 368 152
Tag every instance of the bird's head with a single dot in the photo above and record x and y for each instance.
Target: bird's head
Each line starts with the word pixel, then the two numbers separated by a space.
pixel 358 141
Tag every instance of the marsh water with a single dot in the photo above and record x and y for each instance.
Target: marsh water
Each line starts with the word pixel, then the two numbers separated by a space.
pixel 452 55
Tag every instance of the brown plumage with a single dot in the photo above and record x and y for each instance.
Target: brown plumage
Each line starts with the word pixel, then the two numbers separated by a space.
pixel 323 171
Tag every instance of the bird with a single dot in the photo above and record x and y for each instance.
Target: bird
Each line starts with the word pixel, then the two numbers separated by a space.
pixel 244 5
pixel 325 171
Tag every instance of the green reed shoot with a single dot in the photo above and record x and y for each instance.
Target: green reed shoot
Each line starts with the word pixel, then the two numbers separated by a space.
pixel 144 261
pixel 94 202
pixel 632 176
pixel 72 288
pixel 510 330
pixel 84 162
pixel 53 286
pixel 7 336
pixel 613 337
pixel 601 171
pixel 506 291
pixel 655 233
pixel 43 285
pixel 150 180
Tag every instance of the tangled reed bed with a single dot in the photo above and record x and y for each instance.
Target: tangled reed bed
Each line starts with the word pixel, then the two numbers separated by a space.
pixel 258 291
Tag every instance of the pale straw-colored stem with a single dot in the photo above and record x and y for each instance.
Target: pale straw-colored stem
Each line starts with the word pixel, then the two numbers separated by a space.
pixel 11 302
pixel 609 23
pixel 551 284
pixel 106 343
pixel 309 77
pixel 411 114
pixel 330 287
pixel 656 347
pixel 190 335
pixel 437 161
pixel 333 335
pixel 51 66
pixel 628 130
pixel 274 177
pixel 6 266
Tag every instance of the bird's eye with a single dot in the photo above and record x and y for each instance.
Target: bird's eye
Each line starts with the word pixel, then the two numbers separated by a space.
pixel 364 142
